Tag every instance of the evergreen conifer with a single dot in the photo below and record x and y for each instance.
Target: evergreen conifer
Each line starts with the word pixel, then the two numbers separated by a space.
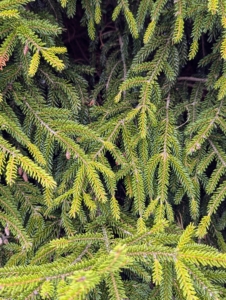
pixel 113 149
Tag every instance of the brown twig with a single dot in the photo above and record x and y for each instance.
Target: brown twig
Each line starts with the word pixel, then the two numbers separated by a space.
pixel 196 79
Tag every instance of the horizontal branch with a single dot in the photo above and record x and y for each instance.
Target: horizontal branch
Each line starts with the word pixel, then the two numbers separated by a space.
pixel 192 79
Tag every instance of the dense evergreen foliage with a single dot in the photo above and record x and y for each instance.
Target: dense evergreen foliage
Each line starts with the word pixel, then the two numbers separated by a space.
pixel 113 149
